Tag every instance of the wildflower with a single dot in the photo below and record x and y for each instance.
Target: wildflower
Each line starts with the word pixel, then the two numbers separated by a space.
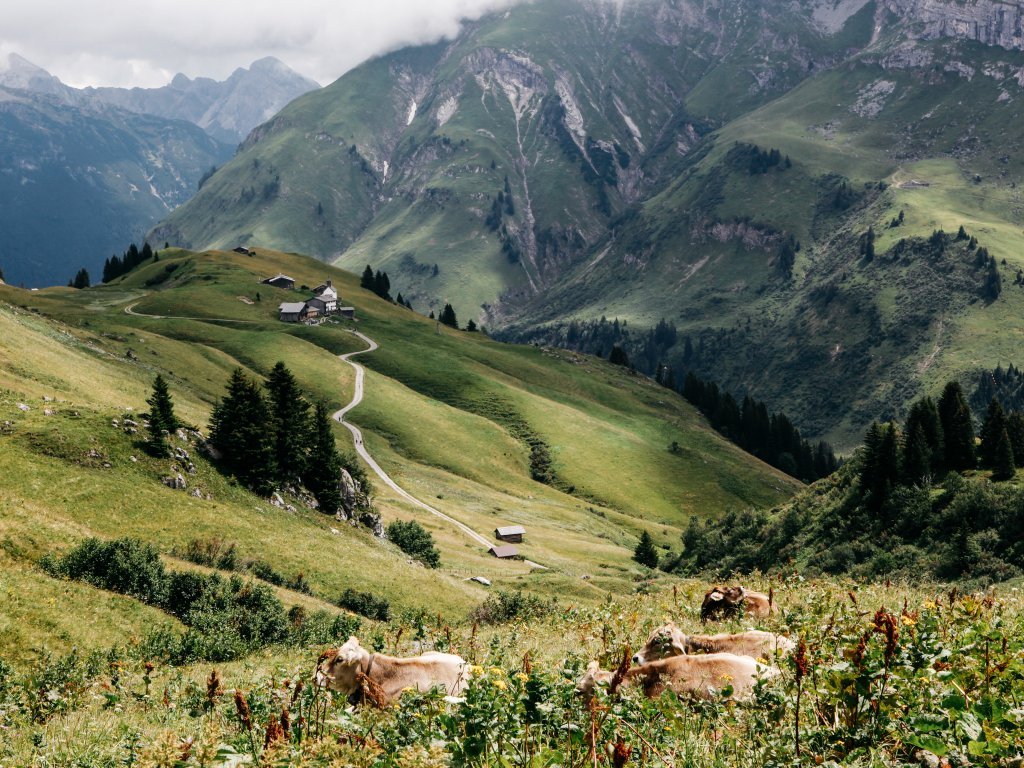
pixel 908 621
pixel 275 732
pixel 500 684
pixel 494 670
pixel 476 669
pixel 522 678
pixel 930 605
pixel 243 710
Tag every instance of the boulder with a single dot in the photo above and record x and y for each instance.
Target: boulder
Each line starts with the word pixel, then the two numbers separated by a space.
pixel 177 482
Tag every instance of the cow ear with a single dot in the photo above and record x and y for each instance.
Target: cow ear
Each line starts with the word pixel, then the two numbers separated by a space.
pixel 716 596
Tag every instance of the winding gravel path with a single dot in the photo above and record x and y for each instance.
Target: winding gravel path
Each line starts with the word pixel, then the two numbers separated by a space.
pixel 357 436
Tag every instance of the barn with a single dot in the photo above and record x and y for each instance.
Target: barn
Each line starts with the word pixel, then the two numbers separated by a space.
pixel 510 533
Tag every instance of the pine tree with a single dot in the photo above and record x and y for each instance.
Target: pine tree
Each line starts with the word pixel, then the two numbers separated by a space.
pixel 957 429
pixel 147 253
pixel 448 316
pixel 382 285
pixel 81 279
pixel 289 423
pixel 924 414
pixel 240 430
pixel 1015 429
pixel 1 273
pixel 991 432
pixel 162 421
pixel 471 326
pixel 366 281
pixel 645 552
pixel 618 356
pixel 323 469
pixel 1003 466
pixel 916 455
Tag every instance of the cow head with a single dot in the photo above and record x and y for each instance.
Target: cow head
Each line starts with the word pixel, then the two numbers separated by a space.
pixel 337 669
pixel 665 641
pixel 593 677
pixel 722 601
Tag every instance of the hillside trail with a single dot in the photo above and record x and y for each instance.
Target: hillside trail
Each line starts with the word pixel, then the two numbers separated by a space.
pixel 357 435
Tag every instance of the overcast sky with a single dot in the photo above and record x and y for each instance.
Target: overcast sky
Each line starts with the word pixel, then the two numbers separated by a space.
pixel 146 42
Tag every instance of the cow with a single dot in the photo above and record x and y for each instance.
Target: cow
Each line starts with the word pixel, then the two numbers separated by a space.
pixel 703 677
pixel 726 602
pixel 669 640
pixel 353 671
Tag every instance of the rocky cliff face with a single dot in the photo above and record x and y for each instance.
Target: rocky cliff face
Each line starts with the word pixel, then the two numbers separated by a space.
pixel 992 22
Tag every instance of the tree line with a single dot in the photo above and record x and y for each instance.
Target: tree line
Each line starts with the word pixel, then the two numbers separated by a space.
pixel 270 436
pixel 116 266
pixel 769 436
pixel 937 438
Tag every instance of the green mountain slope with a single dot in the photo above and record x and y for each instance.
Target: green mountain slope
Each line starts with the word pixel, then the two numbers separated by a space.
pixel 570 111
pixel 838 338
pixel 447 415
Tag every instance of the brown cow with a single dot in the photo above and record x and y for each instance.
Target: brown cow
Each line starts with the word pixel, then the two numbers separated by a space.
pixel 700 676
pixel 669 640
pixel 726 602
pixel 346 668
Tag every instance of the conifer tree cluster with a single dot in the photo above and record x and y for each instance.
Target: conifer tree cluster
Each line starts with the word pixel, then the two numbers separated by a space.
pixel 268 437
pixel 116 266
pixel 645 552
pixel 770 437
pixel 448 317
pixel 378 282
pixel 938 438
pixel 80 280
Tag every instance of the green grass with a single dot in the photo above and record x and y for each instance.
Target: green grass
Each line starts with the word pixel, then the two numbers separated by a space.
pixel 436 415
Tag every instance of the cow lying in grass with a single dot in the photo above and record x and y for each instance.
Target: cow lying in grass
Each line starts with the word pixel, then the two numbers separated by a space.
pixel 727 602
pixel 357 673
pixel 669 640
pixel 704 676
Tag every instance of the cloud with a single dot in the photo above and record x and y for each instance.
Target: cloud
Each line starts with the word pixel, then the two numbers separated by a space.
pixel 132 43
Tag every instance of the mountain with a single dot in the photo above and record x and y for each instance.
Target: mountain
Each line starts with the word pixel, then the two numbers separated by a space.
pixel 100 166
pixel 226 110
pixel 716 166
pixel 79 183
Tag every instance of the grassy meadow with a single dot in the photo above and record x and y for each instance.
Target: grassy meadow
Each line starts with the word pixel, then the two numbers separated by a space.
pixel 887 671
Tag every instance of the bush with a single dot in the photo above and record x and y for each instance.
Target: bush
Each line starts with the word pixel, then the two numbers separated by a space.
pixel 507 606
pixel 365 604
pixel 126 566
pixel 416 541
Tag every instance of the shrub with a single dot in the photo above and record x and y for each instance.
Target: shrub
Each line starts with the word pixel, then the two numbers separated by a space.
pixel 365 604
pixel 126 566
pixel 505 606
pixel 416 541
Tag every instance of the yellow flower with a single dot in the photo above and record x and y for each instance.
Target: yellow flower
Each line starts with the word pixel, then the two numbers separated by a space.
pixel 476 669
pixel 930 605
pixel 727 678
pixel 500 684
pixel 494 671
pixel 909 621
pixel 522 678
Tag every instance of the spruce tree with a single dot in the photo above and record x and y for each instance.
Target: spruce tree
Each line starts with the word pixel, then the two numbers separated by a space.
pixel 366 281
pixel 957 429
pixel 916 455
pixel 162 421
pixel 991 432
pixel 81 279
pixel 1003 465
pixel 323 468
pixel 618 356
pixel 925 414
pixel 289 423
pixel 645 552
pixel 1015 429
pixel 448 316
pixel 240 429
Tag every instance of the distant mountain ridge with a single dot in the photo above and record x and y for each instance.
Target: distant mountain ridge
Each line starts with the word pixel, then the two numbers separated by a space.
pixel 84 172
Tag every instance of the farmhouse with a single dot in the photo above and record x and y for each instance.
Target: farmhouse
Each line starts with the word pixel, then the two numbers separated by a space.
pixel 292 311
pixel 328 295
pixel 319 304
pixel 280 281
pixel 504 551
pixel 510 533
